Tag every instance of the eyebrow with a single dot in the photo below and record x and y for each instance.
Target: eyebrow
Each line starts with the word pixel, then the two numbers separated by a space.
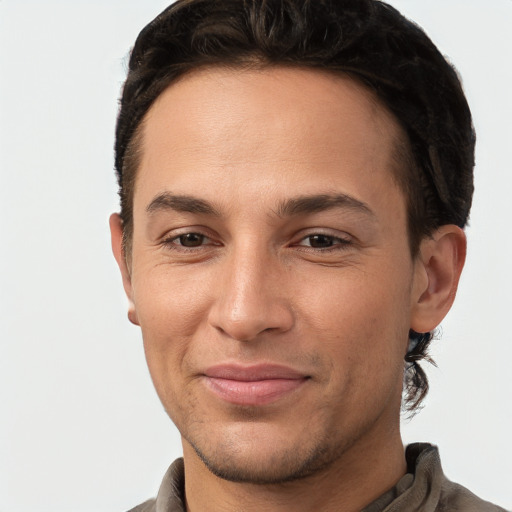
pixel 321 202
pixel 181 203
pixel 288 208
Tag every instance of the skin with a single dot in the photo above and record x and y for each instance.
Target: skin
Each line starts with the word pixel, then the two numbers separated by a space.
pixel 273 275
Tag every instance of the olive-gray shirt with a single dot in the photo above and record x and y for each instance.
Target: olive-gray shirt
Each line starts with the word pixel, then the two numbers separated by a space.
pixel 423 489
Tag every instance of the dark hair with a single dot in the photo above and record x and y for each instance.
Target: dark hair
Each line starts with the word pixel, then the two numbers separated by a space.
pixel 367 39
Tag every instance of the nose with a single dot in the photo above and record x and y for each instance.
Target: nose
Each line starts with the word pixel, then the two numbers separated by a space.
pixel 251 297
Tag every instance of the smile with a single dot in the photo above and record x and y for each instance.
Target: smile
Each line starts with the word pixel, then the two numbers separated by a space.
pixel 253 386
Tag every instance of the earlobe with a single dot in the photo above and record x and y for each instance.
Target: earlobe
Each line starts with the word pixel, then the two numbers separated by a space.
pixel 116 235
pixel 439 265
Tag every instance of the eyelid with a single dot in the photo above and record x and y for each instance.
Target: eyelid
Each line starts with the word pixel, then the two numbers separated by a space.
pixel 336 238
pixel 339 238
pixel 170 236
pixel 341 241
pixel 178 237
pixel 337 235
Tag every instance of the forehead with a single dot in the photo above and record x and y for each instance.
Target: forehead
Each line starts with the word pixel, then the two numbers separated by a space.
pixel 218 122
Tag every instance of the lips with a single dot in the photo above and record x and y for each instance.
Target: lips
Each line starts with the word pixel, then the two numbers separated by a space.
pixel 253 385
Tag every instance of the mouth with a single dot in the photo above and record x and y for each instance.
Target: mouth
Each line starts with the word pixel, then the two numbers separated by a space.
pixel 253 385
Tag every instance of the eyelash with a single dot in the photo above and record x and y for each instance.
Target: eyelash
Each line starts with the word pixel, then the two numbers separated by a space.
pixel 170 241
pixel 337 243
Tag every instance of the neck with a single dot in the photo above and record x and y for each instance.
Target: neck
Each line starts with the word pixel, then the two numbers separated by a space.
pixel 357 478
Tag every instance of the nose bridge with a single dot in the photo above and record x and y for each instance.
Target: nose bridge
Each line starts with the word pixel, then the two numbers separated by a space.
pixel 250 267
pixel 250 300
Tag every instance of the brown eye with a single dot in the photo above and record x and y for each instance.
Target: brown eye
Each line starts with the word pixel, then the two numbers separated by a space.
pixel 191 240
pixel 321 241
pixel 324 242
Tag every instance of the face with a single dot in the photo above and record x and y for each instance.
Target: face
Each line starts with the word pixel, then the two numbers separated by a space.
pixel 270 270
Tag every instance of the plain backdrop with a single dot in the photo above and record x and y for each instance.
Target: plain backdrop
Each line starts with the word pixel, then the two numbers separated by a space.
pixel 81 428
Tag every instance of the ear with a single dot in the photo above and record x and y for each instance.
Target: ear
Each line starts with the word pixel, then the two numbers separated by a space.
pixel 438 267
pixel 116 235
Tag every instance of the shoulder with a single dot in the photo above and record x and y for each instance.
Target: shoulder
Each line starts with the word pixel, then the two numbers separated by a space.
pixel 455 497
pixel 147 506
pixel 171 495
pixel 431 483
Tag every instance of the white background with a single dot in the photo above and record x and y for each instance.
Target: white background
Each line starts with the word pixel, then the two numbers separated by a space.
pixel 81 428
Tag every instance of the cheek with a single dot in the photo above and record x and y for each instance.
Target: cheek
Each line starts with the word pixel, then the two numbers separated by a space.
pixel 359 298
pixel 170 300
pixel 171 306
pixel 360 319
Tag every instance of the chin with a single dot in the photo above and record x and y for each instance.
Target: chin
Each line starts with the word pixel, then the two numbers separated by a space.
pixel 259 463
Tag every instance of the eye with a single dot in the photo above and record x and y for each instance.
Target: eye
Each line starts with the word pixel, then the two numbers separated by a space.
pixel 322 241
pixel 190 239
pixel 187 240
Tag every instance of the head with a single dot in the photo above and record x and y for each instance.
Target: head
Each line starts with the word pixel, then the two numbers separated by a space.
pixel 356 52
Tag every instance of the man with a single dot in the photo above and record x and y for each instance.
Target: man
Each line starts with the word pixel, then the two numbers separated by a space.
pixel 294 180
